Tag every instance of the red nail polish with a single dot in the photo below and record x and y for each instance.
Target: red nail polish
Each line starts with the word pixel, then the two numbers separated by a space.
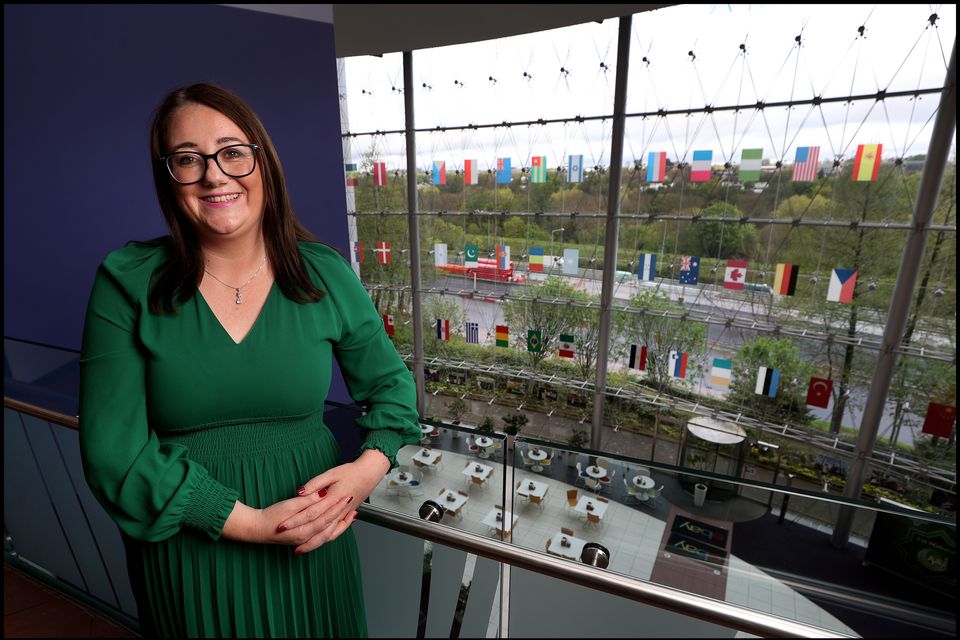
pixel 350 499
pixel 298 552
pixel 300 491
pixel 322 493
pixel 281 528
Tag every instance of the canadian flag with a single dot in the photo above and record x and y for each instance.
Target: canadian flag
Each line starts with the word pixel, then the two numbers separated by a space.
pixel 736 274
pixel 388 324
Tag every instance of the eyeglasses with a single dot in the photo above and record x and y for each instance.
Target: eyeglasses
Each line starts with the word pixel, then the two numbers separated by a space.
pixel 235 160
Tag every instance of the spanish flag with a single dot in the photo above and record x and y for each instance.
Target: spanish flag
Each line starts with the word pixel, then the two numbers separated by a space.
pixel 866 166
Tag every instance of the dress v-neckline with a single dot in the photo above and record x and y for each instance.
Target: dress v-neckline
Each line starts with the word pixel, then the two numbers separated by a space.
pixel 253 327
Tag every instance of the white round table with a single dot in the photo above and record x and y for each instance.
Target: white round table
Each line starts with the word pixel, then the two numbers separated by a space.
pixel 484 443
pixel 537 455
pixel 716 431
pixel 644 482
pixel 595 472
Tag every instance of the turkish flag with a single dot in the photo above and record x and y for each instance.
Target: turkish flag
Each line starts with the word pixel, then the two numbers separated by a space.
pixel 819 391
pixel 940 419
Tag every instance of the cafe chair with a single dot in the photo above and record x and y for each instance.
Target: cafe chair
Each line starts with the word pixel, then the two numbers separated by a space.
pixel 607 478
pixel 527 462
pixel 594 519
pixel 566 532
pixel 642 471
pixel 393 488
pixel 472 445
pixel 581 474
pixel 593 485
pixel 572 499
pixel 546 462
pixel 654 494
pixel 547 547
pixel 537 500
pixel 603 463
pixel 482 482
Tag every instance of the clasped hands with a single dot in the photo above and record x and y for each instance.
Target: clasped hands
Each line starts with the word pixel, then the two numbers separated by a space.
pixel 323 510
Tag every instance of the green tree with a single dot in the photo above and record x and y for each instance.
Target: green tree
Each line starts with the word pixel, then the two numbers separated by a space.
pixel 551 319
pixel 723 240
pixel 789 404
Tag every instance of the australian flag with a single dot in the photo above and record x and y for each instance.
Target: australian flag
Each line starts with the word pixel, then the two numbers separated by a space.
pixel 689 269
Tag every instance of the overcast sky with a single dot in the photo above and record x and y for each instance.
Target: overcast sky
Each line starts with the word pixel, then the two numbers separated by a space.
pixel 897 51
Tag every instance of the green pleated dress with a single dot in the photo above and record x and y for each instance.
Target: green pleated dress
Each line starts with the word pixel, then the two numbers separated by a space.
pixel 177 422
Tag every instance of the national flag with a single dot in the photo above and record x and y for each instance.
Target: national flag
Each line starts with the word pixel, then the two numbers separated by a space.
pixel 439 172
pixel 348 167
pixel 383 252
pixel 503 335
pixel 568 348
pixel 380 174
pixel 358 252
pixel 806 164
pixel 689 269
pixel 721 372
pixel 443 329
pixel 503 170
pixel 638 357
pixel 471 172
pixel 767 380
pixel 575 168
pixel 940 419
pixel 750 162
pixel 536 259
pixel 735 275
pixel 571 262
pixel 700 168
pixel 842 283
pixel 819 392
pixel 388 324
pixel 503 255
pixel 535 340
pixel 678 364
pixel 785 282
pixel 647 269
pixel 440 255
pixel 473 333
pixel 866 165
pixel 657 166
pixel 353 182
pixel 470 258
pixel 538 169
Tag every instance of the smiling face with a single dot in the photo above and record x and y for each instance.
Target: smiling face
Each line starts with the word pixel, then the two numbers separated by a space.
pixel 218 206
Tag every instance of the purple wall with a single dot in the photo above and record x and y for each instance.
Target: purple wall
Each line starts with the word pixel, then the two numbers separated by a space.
pixel 80 85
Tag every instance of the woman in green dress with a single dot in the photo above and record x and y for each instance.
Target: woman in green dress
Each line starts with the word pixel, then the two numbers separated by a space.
pixel 205 365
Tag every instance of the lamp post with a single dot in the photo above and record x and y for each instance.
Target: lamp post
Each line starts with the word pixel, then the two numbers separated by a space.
pixel 551 244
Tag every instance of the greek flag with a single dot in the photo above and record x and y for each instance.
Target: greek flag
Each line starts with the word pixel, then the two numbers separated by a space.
pixel 473 333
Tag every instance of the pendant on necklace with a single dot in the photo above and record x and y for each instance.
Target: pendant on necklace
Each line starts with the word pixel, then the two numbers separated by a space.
pixel 239 297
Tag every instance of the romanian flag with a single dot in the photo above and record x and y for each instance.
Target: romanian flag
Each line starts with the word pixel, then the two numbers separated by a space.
pixel 503 335
pixel 536 259
pixel 567 346
pixel 785 282
pixel 471 173
pixel 538 169
pixel 750 161
pixel 439 173
pixel 701 167
pixel 866 166
pixel 380 174
pixel 657 166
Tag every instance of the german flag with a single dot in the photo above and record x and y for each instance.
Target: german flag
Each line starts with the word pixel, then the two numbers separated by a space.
pixel 785 282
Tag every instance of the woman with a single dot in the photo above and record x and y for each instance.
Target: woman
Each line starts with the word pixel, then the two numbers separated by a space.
pixel 205 364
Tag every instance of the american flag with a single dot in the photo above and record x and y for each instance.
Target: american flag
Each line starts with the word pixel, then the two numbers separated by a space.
pixel 806 164
pixel 473 333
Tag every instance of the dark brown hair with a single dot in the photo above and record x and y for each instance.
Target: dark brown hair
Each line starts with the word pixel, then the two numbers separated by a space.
pixel 181 275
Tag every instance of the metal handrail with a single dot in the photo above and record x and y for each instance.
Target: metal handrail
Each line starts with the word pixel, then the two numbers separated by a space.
pixel 685 603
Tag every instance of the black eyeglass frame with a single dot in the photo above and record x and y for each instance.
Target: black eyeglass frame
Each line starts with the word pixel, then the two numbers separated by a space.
pixel 208 156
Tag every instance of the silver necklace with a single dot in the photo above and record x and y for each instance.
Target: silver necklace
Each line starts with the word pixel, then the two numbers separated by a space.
pixel 263 261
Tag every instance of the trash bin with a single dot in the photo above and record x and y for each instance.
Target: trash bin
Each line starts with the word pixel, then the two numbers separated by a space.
pixel 699 494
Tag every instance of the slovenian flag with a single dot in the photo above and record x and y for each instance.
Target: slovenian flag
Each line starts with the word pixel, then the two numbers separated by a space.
pixel 567 346
pixel 721 373
pixel 575 168
pixel 842 283
pixel 439 172
pixel 700 169
pixel 503 255
pixel 657 166
pixel 471 173
pixel 678 364
pixel 767 380
pixel 536 259
pixel 443 329
pixel 638 357
pixel 647 269
pixel 358 252
pixel 503 170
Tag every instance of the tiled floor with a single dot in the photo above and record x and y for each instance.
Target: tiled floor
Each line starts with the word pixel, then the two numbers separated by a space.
pixel 631 535
pixel 34 610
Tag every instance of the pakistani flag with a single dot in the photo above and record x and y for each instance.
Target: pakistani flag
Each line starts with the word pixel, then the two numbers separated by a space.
pixel 750 165
pixel 568 346
pixel 471 256
pixel 535 340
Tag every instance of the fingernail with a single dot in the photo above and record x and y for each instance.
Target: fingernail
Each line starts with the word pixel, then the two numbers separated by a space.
pixel 350 499
pixel 322 493
pixel 300 491
pixel 298 552
pixel 281 528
